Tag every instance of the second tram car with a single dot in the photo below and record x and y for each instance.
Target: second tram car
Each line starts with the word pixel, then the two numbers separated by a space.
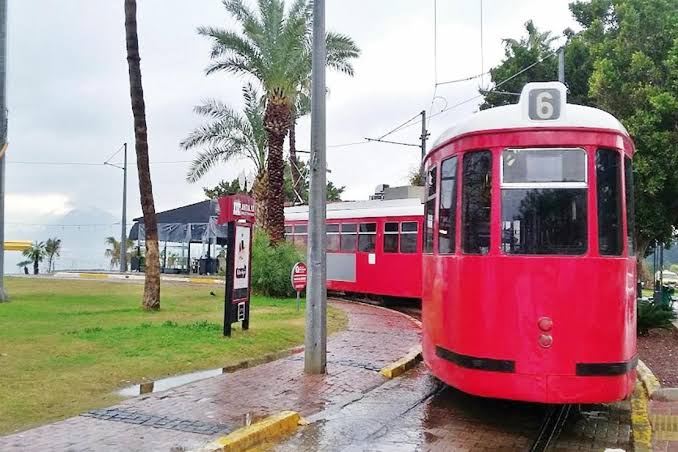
pixel 373 247
pixel 528 256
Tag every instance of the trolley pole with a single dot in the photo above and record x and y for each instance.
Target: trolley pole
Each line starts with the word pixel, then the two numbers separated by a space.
pixel 561 65
pixel 123 235
pixel 315 341
pixel 424 136
pixel 3 140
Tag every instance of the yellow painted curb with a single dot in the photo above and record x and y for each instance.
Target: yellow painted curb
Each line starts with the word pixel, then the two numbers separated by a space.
pixel 640 422
pixel 265 430
pixel 650 382
pixel 202 281
pixel 93 275
pixel 403 364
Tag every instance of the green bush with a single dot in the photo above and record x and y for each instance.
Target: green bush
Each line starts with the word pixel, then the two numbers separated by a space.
pixel 271 266
pixel 654 315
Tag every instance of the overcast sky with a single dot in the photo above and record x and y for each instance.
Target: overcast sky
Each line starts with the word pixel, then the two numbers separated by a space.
pixel 68 92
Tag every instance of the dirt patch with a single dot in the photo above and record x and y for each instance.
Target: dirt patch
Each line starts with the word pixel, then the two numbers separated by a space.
pixel 659 350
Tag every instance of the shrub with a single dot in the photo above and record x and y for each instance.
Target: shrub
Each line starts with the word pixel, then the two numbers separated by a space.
pixel 271 266
pixel 654 315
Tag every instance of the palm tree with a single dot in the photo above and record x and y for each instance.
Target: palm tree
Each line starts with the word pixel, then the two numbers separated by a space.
pixel 35 254
pixel 231 134
pixel 274 47
pixel 24 265
pixel 52 249
pixel 151 300
pixel 113 250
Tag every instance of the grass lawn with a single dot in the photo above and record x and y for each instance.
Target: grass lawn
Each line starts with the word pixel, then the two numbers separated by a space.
pixel 65 346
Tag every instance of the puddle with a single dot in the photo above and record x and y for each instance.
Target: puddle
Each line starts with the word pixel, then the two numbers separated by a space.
pixel 167 383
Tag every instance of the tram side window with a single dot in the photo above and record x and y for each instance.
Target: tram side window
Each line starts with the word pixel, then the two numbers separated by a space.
pixel 448 206
pixel 349 237
pixel 408 237
pixel 430 209
pixel 390 237
pixel 333 237
pixel 367 237
pixel 608 175
pixel 543 201
pixel 476 202
pixel 630 210
pixel 288 234
pixel 301 235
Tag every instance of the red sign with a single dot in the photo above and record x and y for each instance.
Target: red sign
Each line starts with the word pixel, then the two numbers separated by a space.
pixel 236 207
pixel 299 272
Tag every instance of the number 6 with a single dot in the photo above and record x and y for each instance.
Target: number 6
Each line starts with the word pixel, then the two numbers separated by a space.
pixel 544 105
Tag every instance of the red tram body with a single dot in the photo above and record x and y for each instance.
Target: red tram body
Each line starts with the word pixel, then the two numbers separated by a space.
pixel 528 262
pixel 373 247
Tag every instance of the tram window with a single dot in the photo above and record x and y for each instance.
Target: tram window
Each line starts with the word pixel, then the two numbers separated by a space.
pixel 288 229
pixel 300 229
pixel 288 234
pixel 333 237
pixel 544 209
pixel 476 202
pixel 348 237
pixel 390 237
pixel 367 237
pixel 408 237
pixel 429 210
pixel 630 210
pixel 448 206
pixel 300 237
pixel 543 165
pixel 608 176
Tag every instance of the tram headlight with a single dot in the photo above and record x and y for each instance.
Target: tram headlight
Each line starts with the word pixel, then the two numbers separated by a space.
pixel 545 324
pixel 546 340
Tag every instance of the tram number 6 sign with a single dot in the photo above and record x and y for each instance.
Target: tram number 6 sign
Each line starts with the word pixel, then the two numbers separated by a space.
pixel 298 277
pixel 544 104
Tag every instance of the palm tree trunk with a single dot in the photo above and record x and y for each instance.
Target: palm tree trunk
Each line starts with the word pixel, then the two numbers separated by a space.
pixel 277 123
pixel 36 268
pixel 260 193
pixel 151 299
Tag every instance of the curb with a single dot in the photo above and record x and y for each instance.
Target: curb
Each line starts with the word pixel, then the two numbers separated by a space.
pixel 267 358
pixel 403 364
pixel 641 429
pixel 134 277
pixel 647 378
pixel 265 430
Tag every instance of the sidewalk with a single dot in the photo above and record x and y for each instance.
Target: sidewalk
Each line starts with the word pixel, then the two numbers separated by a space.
pixel 189 416
pixel 664 419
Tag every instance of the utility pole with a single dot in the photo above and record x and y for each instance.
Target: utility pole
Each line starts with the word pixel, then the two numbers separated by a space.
pixel 315 341
pixel 561 65
pixel 3 140
pixel 123 235
pixel 424 136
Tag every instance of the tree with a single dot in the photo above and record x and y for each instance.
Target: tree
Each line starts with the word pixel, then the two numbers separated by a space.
pixel 224 188
pixel 299 194
pixel 24 265
pixel 113 250
pixel 52 250
pixel 633 46
pixel 151 300
pixel 36 254
pixel 274 47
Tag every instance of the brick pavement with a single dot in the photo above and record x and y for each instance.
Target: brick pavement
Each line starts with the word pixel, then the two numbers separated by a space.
pixel 664 420
pixel 186 417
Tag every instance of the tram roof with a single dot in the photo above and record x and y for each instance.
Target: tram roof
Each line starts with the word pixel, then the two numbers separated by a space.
pixel 362 209
pixel 515 117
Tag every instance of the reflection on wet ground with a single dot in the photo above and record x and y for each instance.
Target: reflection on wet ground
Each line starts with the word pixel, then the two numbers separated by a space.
pixel 168 383
pixel 417 412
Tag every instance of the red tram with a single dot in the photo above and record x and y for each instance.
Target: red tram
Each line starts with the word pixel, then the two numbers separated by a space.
pixel 528 255
pixel 373 247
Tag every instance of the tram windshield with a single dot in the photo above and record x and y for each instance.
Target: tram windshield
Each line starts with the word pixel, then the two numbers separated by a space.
pixel 543 195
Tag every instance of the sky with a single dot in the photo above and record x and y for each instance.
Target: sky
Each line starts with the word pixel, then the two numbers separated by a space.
pixel 68 100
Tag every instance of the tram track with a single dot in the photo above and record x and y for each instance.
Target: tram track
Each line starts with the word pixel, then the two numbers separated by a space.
pixel 553 423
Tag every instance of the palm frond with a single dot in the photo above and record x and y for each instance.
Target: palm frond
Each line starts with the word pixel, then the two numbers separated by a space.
pixel 207 159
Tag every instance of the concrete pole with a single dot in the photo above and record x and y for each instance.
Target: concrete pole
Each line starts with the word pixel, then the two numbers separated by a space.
pixel 561 65
pixel 315 353
pixel 123 235
pixel 3 140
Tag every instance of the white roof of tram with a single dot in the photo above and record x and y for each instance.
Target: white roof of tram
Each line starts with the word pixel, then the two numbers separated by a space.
pixel 362 209
pixel 517 116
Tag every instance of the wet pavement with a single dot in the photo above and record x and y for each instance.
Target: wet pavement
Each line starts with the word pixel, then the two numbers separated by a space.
pixel 417 412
